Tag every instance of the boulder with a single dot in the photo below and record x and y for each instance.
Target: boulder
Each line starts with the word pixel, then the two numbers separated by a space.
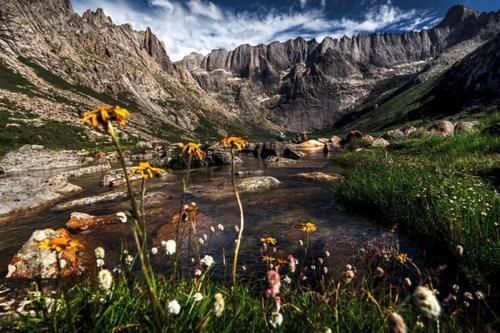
pixel 266 149
pixel 116 178
pixel 336 141
pixel 319 176
pixel 36 157
pixel 493 130
pixel 331 147
pixel 81 221
pixel 218 157
pixel 279 160
pixel 380 142
pixel 368 139
pixel 255 184
pixel 354 134
pixel 394 135
pixel 292 153
pixel 311 145
pixel 48 254
pixel 409 131
pixel 465 126
pixel 442 128
pixel 23 195
pixel 113 196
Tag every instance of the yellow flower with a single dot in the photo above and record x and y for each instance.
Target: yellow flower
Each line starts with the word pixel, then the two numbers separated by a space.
pixel 102 114
pixel 402 258
pixel 308 227
pixel 268 259
pixel 234 142
pixel 281 261
pixel 146 171
pixel 193 150
pixel 121 115
pixel 269 240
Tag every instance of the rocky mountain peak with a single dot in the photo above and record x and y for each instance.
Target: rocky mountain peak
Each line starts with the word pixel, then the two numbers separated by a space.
pixel 156 49
pixel 458 15
pixel 97 18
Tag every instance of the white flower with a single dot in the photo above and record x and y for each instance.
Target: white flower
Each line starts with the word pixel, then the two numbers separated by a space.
pixel 460 250
pixel 212 228
pixel 99 252
pixel 154 251
pixel 122 217
pixel 105 279
pixel 174 307
pixel 236 228
pixel 287 279
pixel 197 272
pixel 197 297
pixel 201 241
pixel 10 270
pixel 468 296
pixel 479 295
pixel 99 262
pixel 129 259
pixel 313 267
pixel 63 263
pixel 205 237
pixel 327 254
pixel 207 261
pixel 426 302
pixel 321 261
pixel 301 243
pixel 276 319
pixel 325 270
pixel 244 268
pixel 220 227
pixel 328 330
pixel 170 247
pixel 219 304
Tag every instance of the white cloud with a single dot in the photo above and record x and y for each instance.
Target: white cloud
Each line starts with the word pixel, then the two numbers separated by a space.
pixel 200 25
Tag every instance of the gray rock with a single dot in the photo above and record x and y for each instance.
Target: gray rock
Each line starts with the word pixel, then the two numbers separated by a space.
pixel 465 126
pixel 256 184
pixel 394 135
pixel 281 161
pixel 443 128
pixel 319 177
pixel 380 142
pixel 36 157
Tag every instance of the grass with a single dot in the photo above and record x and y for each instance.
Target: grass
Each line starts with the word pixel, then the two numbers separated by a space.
pixel 51 134
pixel 437 188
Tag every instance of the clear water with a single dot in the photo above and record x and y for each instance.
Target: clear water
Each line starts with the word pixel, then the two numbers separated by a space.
pixel 276 213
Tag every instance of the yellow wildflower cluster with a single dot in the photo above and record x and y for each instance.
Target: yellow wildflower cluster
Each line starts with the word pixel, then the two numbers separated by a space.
pixel 193 150
pixel 101 115
pixel 234 142
pixel 146 171
pixel 308 227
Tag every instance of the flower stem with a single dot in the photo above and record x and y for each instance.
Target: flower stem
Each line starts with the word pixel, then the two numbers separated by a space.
pixel 242 221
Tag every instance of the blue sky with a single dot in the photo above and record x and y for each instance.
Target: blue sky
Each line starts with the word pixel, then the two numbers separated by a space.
pixel 200 25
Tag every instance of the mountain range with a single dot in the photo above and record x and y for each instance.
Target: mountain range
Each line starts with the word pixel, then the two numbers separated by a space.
pixel 55 64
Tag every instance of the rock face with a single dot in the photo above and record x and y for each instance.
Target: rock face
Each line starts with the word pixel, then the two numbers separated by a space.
pixel 65 63
pixel 327 79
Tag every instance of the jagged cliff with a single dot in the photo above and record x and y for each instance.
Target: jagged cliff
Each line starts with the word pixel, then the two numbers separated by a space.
pixel 305 84
pixel 66 63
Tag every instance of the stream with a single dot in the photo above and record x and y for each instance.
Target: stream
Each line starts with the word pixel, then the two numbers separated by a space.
pixel 276 212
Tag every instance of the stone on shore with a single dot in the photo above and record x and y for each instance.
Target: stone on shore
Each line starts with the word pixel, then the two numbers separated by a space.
pixel 380 142
pixel 256 184
pixel 48 254
pixel 319 176
pixel 311 145
pixel 442 128
pixel 36 157
pixel 23 194
pixel 279 160
pixel 81 221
